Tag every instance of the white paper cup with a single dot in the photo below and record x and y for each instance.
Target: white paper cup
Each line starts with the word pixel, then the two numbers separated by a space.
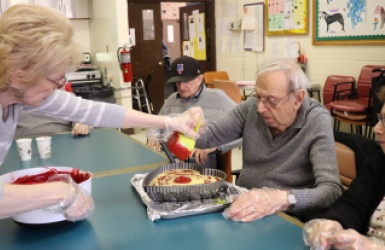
pixel 44 146
pixel 25 149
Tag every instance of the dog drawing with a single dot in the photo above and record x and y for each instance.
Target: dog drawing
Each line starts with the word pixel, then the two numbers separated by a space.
pixel 380 10
pixel 337 17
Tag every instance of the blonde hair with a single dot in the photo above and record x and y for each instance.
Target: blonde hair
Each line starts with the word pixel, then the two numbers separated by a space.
pixel 295 76
pixel 35 39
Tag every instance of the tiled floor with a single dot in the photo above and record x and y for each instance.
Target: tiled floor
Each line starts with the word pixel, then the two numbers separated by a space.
pixel 236 156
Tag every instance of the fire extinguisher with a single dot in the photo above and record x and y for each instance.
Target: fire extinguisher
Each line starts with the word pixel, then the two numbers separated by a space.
pixel 124 59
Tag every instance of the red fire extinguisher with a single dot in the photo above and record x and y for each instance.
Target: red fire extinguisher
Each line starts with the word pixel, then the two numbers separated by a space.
pixel 124 59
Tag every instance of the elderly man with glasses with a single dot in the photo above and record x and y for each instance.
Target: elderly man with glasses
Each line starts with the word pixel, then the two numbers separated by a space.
pixel 289 159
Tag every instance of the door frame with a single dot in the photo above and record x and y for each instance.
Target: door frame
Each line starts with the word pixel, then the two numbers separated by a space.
pixel 211 58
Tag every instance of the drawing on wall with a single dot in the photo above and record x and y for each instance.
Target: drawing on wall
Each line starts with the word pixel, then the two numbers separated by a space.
pixel 286 17
pixel 348 22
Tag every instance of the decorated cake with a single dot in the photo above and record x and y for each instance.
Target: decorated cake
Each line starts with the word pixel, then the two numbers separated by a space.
pixel 178 177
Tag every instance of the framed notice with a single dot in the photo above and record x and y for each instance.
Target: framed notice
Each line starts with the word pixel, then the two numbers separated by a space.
pixel 286 17
pixel 253 27
pixel 348 22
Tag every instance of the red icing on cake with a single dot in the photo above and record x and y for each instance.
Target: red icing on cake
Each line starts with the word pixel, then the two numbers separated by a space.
pixel 177 177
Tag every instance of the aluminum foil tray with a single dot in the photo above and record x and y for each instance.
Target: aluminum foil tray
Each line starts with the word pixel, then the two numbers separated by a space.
pixel 172 210
pixel 186 192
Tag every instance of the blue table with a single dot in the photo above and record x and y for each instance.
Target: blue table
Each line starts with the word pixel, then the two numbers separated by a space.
pixel 103 150
pixel 120 220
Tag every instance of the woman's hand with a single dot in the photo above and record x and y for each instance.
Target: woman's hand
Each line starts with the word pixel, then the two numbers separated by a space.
pixel 316 233
pixel 186 122
pixel 77 204
pixel 351 240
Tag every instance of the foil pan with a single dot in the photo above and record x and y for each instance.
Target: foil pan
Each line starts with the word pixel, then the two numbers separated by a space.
pixel 186 192
pixel 172 210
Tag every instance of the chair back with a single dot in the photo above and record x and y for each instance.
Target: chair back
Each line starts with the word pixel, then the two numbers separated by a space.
pixel 210 76
pixel 346 164
pixel 364 82
pixel 352 153
pixel 230 88
pixel 329 87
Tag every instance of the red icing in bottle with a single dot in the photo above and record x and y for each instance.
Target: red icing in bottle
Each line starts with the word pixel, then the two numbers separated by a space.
pixel 177 148
pixel 76 175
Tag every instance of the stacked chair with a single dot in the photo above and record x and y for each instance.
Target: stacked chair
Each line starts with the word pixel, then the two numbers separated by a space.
pixel 354 104
pixel 210 76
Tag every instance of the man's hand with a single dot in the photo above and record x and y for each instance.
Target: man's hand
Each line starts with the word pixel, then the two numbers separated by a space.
pixel 201 154
pixel 154 144
pixel 256 204
pixel 80 129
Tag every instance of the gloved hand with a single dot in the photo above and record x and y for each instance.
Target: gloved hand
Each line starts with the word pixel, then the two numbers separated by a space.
pixel 352 240
pixel 185 122
pixel 78 203
pixel 256 204
pixel 80 129
pixel 315 232
pixel 323 234
pixel 201 154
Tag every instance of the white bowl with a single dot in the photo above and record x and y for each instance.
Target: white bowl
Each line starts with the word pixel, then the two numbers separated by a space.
pixel 41 216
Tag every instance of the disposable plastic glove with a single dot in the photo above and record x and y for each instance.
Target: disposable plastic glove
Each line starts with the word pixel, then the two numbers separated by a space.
pixel 352 240
pixel 78 203
pixel 316 233
pixel 186 121
pixel 256 204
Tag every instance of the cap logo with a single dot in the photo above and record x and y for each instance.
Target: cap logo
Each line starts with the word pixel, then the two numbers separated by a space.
pixel 179 68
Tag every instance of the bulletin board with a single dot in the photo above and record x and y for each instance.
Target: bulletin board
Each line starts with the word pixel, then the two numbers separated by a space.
pixel 286 17
pixel 196 45
pixel 253 27
pixel 348 22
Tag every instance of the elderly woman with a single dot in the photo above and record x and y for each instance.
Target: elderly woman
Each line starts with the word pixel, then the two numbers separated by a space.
pixel 37 49
pixel 289 161
pixel 360 210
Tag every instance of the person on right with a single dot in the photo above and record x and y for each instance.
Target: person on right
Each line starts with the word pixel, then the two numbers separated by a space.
pixel 289 160
pixel 356 219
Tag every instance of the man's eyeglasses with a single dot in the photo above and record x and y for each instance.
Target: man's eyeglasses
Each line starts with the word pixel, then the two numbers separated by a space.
pixel 382 119
pixel 59 82
pixel 272 102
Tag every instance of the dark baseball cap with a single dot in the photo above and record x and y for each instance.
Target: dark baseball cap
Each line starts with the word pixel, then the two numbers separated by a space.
pixel 184 69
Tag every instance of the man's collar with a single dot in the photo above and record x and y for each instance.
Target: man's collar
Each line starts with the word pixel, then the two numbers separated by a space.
pixel 197 94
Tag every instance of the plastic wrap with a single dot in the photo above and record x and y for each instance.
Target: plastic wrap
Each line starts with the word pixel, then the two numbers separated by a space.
pixel 171 210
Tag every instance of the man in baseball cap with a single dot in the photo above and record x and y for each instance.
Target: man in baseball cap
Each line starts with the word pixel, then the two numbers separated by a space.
pixel 191 91
pixel 186 73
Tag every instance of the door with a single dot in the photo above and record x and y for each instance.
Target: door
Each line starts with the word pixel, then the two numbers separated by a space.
pixel 147 54
pixel 171 37
pixel 189 31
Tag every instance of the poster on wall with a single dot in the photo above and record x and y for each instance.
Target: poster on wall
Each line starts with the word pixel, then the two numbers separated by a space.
pixel 286 17
pixel 348 22
pixel 253 27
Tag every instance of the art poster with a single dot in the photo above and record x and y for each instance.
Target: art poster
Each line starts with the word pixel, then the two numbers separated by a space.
pixel 285 17
pixel 348 21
